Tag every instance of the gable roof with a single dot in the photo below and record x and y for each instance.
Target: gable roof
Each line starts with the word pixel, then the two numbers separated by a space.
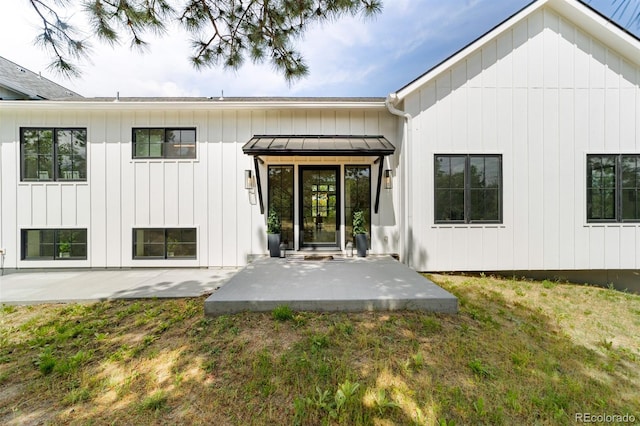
pixel 578 12
pixel 31 85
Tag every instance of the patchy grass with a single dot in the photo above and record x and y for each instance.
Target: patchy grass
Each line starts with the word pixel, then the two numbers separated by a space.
pixel 519 352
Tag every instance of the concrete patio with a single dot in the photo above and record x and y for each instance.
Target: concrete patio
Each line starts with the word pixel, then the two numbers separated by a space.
pixel 90 285
pixel 343 284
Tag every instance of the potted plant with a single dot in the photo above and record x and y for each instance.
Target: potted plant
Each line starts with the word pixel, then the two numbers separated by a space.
pixel 360 232
pixel 64 249
pixel 172 245
pixel 273 233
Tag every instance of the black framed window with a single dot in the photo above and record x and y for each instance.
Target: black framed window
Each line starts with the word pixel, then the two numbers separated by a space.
pixel 468 189
pixel 51 154
pixel 164 243
pixel 281 200
pixel 54 244
pixel 613 188
pixel 357 192
pixel 164 143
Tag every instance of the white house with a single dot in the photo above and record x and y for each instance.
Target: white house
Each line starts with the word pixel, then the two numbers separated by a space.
pixel 521 152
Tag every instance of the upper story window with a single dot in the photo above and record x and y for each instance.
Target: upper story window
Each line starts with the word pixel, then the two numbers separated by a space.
pixel 50 154
pixel 468 189
pixel 164 143
pixel 613 187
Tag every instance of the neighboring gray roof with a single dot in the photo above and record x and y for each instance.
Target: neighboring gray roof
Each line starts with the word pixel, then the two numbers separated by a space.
pixel 33 86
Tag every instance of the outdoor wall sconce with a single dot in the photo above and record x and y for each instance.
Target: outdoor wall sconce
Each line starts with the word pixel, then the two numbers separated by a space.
pixel 388 182
pixel 248 179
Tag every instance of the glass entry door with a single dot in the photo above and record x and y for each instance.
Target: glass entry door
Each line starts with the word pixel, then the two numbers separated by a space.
pixel 319 206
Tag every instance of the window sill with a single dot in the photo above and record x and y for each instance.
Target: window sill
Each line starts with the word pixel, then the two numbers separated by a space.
pixel 612 225
pixel 164 160
pixel 52 182
pixel 468 225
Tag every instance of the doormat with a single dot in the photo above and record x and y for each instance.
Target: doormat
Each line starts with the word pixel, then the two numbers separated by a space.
pixel 317 257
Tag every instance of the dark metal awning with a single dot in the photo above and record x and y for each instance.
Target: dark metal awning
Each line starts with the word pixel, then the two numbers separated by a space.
pixel 318 145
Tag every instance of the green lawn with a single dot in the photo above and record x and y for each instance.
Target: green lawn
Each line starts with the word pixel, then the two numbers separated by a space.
pixel 519 352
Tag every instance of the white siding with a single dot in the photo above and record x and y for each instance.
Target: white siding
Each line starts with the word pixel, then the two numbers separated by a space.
pixel 543 94
pixel 206 193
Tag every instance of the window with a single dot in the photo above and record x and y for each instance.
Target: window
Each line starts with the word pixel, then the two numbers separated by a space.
pixel 164 143
pixel 281 200
pixel 54 244
pixel 53 154
pixel 357 195
pixel 468 188
pixel 161 243
pixel 613 186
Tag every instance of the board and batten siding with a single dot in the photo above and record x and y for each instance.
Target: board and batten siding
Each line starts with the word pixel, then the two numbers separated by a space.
pixel 543 94
pixel 122 193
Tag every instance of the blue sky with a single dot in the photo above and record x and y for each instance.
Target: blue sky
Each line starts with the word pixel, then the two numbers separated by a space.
pixel 349 57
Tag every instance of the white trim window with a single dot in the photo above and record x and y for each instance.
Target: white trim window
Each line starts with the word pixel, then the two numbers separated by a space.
pixel 613 188
pixel 468 188
pixel 164 243
pixel 54 244
pixel 164 143
pixel 51 154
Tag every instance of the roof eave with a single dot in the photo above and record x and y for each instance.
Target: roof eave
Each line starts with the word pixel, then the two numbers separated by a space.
pixel 186 105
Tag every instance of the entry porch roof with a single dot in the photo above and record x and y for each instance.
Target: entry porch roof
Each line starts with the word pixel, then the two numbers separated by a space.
pixel 318 145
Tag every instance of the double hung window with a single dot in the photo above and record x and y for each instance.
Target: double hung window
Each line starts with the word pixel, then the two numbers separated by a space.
pixel 613 188
pixel 164 143
pixel 468 188
pixel 49 154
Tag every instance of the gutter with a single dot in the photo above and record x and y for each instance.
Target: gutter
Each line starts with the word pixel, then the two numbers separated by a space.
pixel 407 227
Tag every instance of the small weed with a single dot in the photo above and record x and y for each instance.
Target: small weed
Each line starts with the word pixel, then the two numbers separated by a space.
pixel 548 284
pixel 155 402
pixel 8 309
pixel 415 363
pixel 607 344
pixel 520 358
pixel 318 342
pixel 46 362
pixel 320 399
pixel 431 325
pixel 478 407
pixel 480 369
pixel 282 313
pixel 382 402
pixel 299 410
pixel 345 393
pixel 77 395
pixel 512 400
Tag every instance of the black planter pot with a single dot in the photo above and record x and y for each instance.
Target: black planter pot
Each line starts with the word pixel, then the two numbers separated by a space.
pixel 362 245
pixel 273 242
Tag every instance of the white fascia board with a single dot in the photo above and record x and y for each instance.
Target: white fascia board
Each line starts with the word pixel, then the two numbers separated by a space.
pixel 600 27
pixel 186 105
pixel 592 22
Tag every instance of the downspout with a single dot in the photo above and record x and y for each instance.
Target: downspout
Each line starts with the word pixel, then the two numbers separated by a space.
pixel 407 230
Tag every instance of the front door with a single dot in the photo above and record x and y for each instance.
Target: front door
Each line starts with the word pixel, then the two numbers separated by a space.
pixel 319 206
